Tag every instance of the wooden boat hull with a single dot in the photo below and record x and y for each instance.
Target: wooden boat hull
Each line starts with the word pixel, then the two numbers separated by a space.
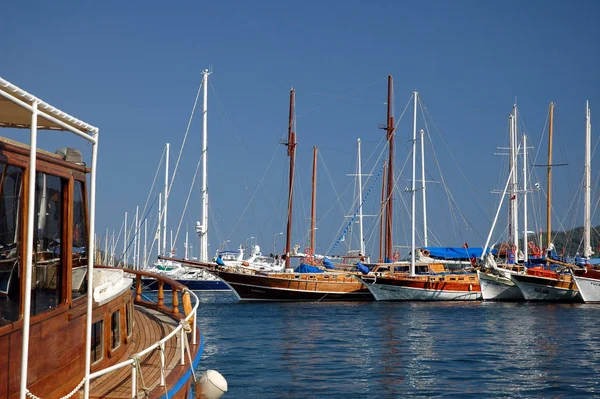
pixel 540 288
pixel 498 288
pixel 424 288
pixel 295 287
pixel 588 283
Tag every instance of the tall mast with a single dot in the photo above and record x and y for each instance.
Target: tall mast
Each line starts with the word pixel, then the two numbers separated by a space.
pixel 158 234
pixel 135 241
pixel 549 199
pixel 313 215
pixel 164 237
pixel 525 247
pixel 360 212
pixel 587 249
pixel 204 225
pixel 423 188
pixel 125 243
pixel 390 176
pixel 414 182
pixel 515 183
pixel 291 145
pixel 381 244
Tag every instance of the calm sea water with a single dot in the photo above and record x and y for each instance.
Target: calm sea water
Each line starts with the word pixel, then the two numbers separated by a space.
pixel 396 349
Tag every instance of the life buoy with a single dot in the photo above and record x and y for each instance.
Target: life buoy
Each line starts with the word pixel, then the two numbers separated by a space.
pixel 513 248
pixel 425 252
pixel 536 251
pixel 308 251
pixel 531 245
pixel 503 247
pixel 396 255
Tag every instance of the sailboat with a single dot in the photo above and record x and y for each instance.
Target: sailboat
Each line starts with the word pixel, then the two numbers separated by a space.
pixel 60 338
pixel 411 286
pixel 196 279
pixel 587 278
pixel 548 283
pixel 293 285
pixel 496 283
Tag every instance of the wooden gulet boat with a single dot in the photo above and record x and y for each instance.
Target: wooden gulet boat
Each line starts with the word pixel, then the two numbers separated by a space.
pixel 68 328
pixel 540 283
pixel 250 285
pixel 409 286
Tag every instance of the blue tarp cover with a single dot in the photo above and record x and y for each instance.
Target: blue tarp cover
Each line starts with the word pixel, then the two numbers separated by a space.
pixel 456 252
pixel 362 268
pixel 220 261
pixel 327 263
pixel 304 268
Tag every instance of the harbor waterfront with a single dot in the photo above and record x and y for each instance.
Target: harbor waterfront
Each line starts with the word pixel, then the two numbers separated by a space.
pixel 401 349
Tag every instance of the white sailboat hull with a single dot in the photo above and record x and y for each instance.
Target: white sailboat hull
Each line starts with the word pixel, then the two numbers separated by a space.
pixel 589 288
pixel 394 293
pixel 497 288
pixel 542 289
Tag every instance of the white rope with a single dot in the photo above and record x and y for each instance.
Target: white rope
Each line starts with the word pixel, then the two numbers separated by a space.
pixel 138 367
pixel 67 396
pixel 187 201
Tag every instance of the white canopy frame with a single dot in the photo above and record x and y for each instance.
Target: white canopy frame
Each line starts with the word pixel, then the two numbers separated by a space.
pixel 19 109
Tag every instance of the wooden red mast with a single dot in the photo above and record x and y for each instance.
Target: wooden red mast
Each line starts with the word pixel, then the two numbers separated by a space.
pixel 313 208
pixel 390 175
pixel 291 147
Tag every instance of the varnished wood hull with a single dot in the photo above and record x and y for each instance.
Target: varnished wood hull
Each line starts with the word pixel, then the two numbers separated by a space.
pixel 425 288
pixel 540 288
pixel 295 287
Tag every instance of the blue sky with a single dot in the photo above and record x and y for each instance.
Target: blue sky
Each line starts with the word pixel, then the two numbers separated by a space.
pixel 133 69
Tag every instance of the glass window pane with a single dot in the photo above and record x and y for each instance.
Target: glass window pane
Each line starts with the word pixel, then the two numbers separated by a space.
pixel 47 276
pixel 11 179
pixel 97 341
pixel 79 249
pixel 115 322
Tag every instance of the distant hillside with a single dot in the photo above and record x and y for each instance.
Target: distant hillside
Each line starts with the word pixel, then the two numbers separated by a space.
pixel 571 241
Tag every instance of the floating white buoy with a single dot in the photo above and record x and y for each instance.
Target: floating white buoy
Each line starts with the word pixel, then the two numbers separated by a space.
pixel 212 385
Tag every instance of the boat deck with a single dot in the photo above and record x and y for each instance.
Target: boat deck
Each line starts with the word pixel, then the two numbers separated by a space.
pixel 149 327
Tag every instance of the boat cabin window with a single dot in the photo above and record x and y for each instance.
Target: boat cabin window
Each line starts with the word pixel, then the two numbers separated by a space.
pixel 11 179
pixel 79 246
pixel 47 270
pixel 115 330
pixel 97 341
pixel 129 318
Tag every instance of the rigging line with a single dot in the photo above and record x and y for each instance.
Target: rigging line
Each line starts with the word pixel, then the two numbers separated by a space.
pixel 222 109
pixel 367 181
pixel 136 229
pixel 187 199
pixel 338 197
pixel 336 100
pixel 483 211
pixel 354 216
pixel 187 130
pixel 254 194
pixel 154 181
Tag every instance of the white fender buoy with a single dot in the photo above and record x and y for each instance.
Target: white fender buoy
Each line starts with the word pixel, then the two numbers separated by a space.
pixel 212 385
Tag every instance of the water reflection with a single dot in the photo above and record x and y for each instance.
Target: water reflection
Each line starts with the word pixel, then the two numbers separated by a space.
pixel 390 350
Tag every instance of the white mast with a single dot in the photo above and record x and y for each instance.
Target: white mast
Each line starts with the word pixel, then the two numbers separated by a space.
pixel 159 221
pixel 145 243
pixel 414 164
pixel 136 260
pixel 203 230
pixel 587 249
pixel 360 211
pixel 164 242
pixel 105 260
pixel 525 247
pixel 515 182
pixel 185 256
pixel 125 242
pixel 423 188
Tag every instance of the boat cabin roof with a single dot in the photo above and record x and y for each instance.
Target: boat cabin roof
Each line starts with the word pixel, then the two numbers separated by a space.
pixel 16 106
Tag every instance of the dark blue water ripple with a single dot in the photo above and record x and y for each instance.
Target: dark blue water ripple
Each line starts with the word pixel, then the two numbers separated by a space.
pixel 393 350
